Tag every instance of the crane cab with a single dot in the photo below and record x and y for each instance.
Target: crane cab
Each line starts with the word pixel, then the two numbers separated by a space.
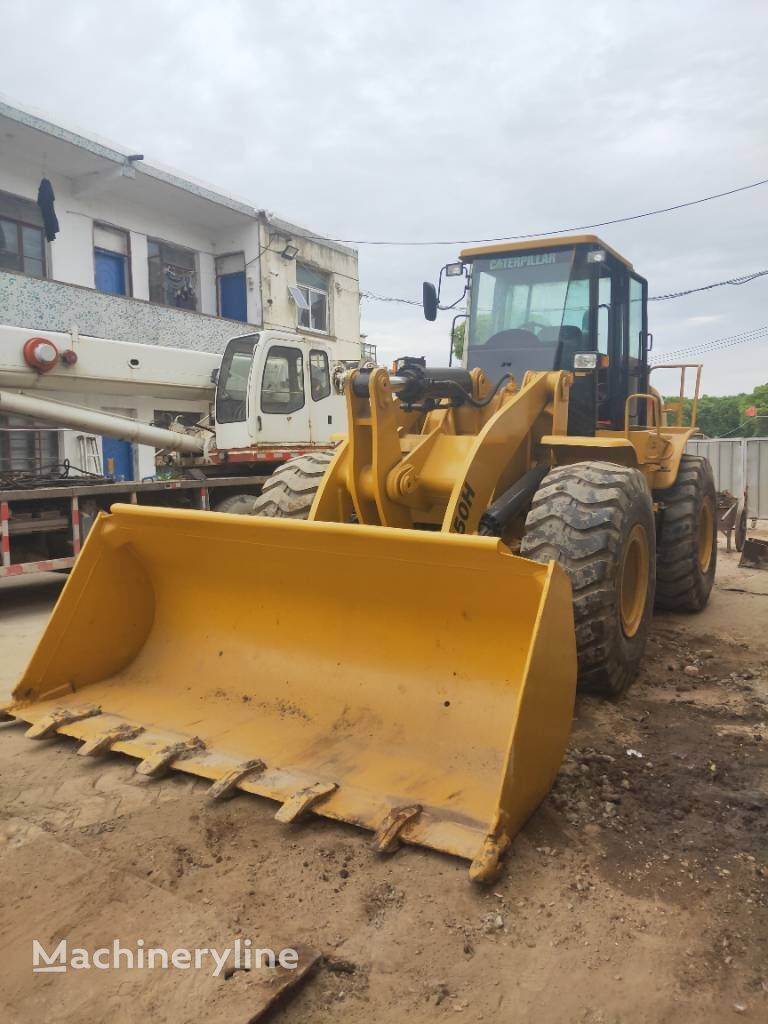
pixel 276 389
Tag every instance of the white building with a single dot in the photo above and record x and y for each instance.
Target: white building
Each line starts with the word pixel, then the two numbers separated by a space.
pixel 143 255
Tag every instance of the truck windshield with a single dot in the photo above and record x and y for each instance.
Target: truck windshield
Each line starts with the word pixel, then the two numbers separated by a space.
pixel 232 385
pixel 528 312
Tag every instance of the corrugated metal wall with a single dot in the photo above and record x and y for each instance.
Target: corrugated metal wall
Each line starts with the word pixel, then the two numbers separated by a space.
pixel 738 464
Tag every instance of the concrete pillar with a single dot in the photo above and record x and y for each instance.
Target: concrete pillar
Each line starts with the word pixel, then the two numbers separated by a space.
pixel 139 266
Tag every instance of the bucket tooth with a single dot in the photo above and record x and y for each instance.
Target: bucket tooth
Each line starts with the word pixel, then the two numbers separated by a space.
pixel 485 863
pixel 234 777
pixel 157 764
pixel 387 838
pixel 5 714
pixel 302 800
pixel 49 724
pixel 103 741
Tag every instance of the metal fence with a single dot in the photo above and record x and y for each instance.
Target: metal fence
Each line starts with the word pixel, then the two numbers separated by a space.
pixel 738 465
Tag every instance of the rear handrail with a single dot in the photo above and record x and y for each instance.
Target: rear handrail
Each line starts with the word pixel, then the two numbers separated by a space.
pixel 651 400
pixel 678 407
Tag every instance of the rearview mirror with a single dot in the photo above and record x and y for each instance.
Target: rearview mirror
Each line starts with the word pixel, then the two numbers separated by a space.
pixel 429 300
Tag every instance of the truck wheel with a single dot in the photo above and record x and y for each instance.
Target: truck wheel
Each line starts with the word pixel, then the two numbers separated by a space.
pixel 290 491
pixel 237 504
pixel 595 519
pixel 686 552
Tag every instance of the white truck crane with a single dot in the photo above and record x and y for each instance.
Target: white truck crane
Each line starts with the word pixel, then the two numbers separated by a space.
pixel 271 396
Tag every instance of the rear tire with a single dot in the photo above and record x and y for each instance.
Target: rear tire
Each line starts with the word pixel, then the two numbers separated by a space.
pixel 595 520
pixel 290 491
pixel 687 547
pixel 237 504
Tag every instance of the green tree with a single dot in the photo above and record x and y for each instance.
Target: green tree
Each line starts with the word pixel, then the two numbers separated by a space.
pixel 726 415
pixel 756 425
pixel 718 415
pixel 457 342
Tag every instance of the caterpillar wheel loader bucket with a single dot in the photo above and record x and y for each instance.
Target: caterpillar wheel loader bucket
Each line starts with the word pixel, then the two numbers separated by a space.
pixel 415 684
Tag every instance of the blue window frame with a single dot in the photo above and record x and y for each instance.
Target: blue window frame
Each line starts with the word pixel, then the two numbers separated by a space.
pixel 111 268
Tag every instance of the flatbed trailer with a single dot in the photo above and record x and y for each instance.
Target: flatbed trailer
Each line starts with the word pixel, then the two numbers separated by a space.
pixel 43 528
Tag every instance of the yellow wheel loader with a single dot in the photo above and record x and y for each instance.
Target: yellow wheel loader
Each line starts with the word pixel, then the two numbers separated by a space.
pixel 394 640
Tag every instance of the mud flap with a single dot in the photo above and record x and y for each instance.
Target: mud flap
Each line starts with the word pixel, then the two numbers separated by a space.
pixel 417 684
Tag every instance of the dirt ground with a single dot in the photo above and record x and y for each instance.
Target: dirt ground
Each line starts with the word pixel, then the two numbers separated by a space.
pixel 637 893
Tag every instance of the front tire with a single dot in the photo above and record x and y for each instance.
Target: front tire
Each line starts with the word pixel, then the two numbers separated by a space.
pixel 290 491
pixel 687 546
pixel 595 519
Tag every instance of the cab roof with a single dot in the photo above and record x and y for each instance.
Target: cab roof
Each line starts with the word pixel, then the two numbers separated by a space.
pixel 532 244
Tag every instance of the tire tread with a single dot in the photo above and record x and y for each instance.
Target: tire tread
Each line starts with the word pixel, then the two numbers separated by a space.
pixel 290 491
pixel 577 519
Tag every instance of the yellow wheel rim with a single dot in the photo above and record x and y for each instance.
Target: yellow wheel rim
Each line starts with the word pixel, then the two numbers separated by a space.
pixel 706 534
pixel 633 590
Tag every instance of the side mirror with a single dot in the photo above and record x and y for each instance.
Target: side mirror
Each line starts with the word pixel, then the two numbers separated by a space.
pixel 429 300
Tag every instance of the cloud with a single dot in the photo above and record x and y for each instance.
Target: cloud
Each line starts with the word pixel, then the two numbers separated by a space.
pixel 443 120
pixel 702 321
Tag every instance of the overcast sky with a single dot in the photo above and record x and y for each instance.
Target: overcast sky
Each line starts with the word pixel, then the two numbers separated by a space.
pixel 423 120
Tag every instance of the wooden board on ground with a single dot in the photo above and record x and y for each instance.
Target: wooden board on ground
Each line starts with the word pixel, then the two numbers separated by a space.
pixel 59 893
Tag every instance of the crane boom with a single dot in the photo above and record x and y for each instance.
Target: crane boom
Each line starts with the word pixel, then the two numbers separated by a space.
pixel 61 414
pixel 91 365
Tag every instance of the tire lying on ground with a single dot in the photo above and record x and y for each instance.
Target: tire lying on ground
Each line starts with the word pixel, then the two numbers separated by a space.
pixel 596 520
pixel 290 491
pixel 237 504
pixel 686 554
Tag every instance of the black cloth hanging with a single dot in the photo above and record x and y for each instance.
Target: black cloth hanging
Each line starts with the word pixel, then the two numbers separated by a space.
pixel 45 199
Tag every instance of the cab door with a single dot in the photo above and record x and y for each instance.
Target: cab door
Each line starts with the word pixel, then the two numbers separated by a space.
pixel 283 414
pixel 327 409
pixel 627 347
pixel 637 338
pixel 234 413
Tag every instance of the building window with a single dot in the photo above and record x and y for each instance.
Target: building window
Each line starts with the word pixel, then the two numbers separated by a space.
pixel 230 286
pixel 368 352
pixel 27 449
pixel 168 418
pixel 111 260
pixel 22 243
pixel 172 275
pixel 313 286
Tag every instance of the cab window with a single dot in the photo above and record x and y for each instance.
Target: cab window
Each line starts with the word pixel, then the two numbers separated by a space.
pixel 282 386
pixel 635 318
pixel 232 385
pixel 603 313
pixel 319 375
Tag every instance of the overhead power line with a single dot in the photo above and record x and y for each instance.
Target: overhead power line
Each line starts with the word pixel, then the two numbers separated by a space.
pixel 755 334
pixel 555 231
pixel 744 279
pixel 743 424
pixel 389 298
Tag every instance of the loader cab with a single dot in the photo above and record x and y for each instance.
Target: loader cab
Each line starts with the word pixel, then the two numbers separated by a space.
pixel 537 305
pixel 276 388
